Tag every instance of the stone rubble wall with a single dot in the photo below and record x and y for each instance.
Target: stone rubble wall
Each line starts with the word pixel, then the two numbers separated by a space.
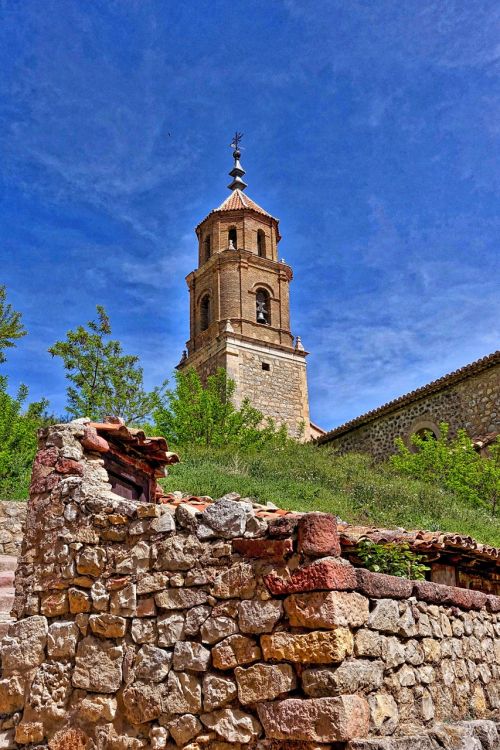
pixel 144 626
pixel 12 518
pixel 472 404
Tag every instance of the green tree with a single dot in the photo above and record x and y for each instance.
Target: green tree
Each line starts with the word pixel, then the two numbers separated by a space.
pixel 195 414
pixel 19 423
pixel 453 464
pixel 11 327
pixel 104 380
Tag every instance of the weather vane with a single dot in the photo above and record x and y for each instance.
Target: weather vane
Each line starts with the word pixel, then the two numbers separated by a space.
pixel 235 143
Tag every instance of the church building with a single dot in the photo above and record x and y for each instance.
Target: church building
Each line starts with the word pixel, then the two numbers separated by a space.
pixel 240 309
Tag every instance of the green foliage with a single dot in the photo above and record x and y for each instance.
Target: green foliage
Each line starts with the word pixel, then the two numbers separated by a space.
pixel 454 465
pixel 304 476
pixel 19 423
pixel 103 379
pixel 394 559
pixel 194 414
pixel 11 327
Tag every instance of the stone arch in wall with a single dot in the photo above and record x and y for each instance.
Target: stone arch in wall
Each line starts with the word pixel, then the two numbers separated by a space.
pixel 423 426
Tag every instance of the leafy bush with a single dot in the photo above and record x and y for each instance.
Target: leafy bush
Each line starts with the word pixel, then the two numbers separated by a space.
pixel 454 465
pixel 18 440
pixel 197 414
pixel 391 558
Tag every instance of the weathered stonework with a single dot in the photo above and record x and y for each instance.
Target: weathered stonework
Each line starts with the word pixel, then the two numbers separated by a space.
pixel 187 642
pixel 469 399
pixel 12 518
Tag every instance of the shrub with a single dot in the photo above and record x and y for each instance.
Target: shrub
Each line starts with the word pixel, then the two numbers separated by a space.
pixel 453 464
pixel 393 559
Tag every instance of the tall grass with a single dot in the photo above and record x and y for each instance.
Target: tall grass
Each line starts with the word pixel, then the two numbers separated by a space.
pixel 307 477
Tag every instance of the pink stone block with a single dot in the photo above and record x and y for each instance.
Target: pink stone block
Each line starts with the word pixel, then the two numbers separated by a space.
pixel 322 575
pixel 318 535
pixel 318 719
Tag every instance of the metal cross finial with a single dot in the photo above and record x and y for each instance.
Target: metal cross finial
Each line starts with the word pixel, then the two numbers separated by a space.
pixel 237 171
pixel 235 143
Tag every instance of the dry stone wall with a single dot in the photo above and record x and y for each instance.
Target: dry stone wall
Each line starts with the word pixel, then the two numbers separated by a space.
pixel 141 627
pixel 472 404
pixel 12 518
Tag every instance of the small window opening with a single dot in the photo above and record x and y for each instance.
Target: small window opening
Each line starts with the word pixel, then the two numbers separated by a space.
pixel 263 308
pixel 205 312
pixel 207 248
pixel 232 238
pixel 266 366
pixel 261 244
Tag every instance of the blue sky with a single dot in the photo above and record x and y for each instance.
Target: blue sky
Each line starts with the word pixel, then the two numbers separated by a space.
pixel 371 130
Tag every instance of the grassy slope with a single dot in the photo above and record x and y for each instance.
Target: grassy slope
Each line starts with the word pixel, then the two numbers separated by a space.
pixel 303 477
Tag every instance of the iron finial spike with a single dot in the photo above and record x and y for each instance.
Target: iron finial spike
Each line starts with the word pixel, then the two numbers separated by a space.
pixel 237 171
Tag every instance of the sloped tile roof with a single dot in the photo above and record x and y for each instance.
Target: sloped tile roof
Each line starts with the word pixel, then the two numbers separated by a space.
pixel 436 385
pixel 237 201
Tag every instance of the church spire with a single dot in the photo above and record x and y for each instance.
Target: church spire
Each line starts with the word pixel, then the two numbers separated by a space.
pixel 237 171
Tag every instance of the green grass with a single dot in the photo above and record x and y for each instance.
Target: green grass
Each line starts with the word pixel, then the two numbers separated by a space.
pixel 306 477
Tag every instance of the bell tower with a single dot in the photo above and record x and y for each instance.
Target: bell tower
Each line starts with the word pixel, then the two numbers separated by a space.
pixel 240 309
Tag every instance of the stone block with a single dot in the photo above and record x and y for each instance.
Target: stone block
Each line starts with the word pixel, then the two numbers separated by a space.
pixel 313 648
pixel 152 663
pixel 143 701
pixel 183 694
pixel 317 719
pixel 24 647
pixel 232 725
pixel 318 535
pixel 263 549
pixel 98 665
pixel 382 586
pixel 350 677
pixel 192 657
pixel 234 651
pixel 256 616
pixel 109 626
pixel 218 690
pixel 264 682
pixel 327 609
pixel 326 574
pixel 180 598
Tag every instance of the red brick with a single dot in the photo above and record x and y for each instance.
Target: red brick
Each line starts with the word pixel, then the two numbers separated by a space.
pixel 382 586
pixel 69 466
pixel 436 593
pixel 493 603
pixel 318 535
pixel 322 575
pixel 91 441
pixel 269 549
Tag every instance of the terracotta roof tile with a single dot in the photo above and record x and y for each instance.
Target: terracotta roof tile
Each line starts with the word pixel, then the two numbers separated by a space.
pixel 237 201
pixel 436 385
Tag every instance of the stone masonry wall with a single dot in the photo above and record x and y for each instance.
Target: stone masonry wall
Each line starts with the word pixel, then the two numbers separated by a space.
pixel 473 403
pixel 12 517
pixel 226 628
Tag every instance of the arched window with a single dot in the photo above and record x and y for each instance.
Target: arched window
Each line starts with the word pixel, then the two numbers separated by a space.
pixel 263 307
pixel 207 248
pixel 261 244
pixel 232 237
pixel 205 312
